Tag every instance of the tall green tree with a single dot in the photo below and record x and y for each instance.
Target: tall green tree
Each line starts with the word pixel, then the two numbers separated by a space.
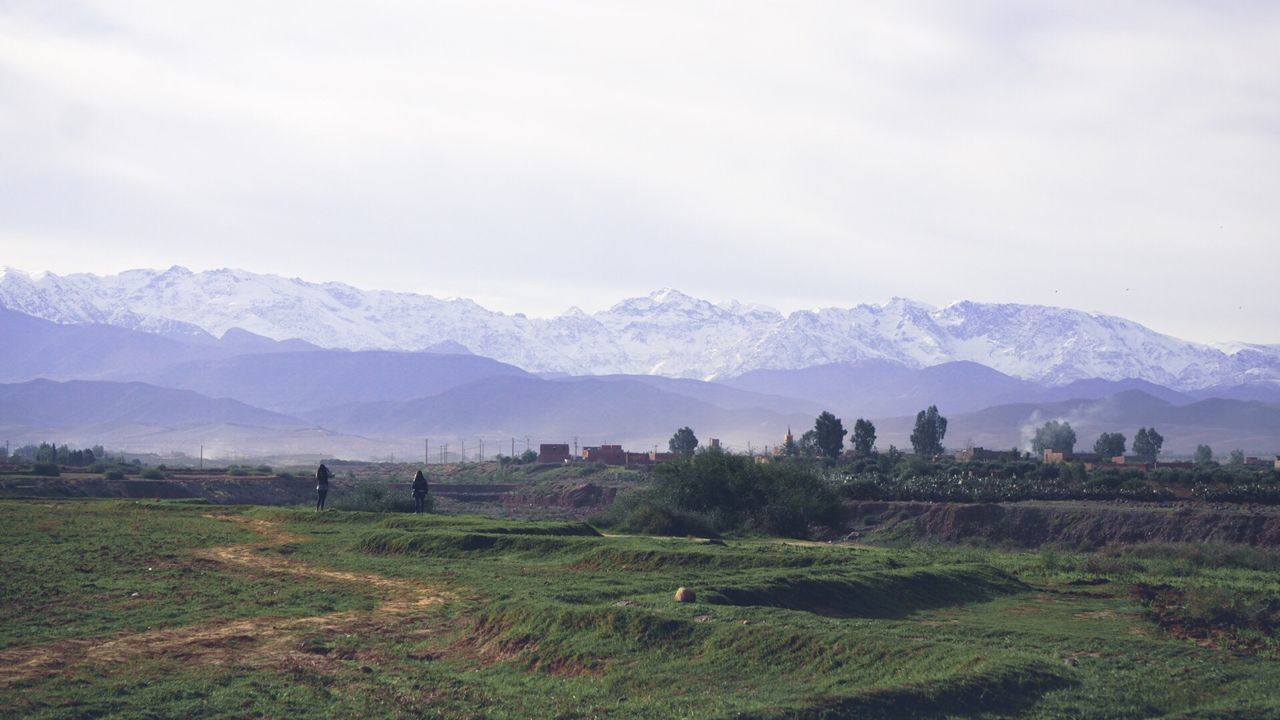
pixel 1147 443
pixel 1055 436
pixel 931 428
pixel 1109 445
pixel 1236 457
pixel 809 443
pixel 684 442
pixel 829 432
pixel 1204 454
pixel 864 437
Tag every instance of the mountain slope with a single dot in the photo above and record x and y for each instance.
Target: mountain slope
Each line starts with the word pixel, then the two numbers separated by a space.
pixel 300 381
pixel 37 348
pixel 83 403
pixel 667 333
pixel 878 388
pixel 593 410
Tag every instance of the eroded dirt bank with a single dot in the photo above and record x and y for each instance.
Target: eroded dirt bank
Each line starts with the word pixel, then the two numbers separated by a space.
pixel 1078 525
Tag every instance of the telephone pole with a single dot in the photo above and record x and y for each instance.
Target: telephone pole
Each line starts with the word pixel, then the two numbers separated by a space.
pixel 426 451
pixel 464 450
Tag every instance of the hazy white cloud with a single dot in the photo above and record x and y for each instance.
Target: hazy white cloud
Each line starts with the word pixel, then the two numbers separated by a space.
pixel 1123 158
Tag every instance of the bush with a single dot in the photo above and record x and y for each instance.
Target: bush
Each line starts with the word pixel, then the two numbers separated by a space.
pixel 116 474
pixel 715 492
pixel 372 497
pixel 46 469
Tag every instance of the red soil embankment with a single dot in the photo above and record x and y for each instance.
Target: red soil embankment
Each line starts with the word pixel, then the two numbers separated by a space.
pixel 1080 525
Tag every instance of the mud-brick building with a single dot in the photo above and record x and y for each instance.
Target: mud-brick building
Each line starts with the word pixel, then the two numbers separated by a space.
pixel 549 453
pixel 607 454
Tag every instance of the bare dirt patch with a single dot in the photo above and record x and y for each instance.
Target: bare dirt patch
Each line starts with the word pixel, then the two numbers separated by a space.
pixel 262 641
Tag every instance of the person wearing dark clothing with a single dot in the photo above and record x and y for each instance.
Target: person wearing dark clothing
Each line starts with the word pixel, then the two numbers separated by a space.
pixel 322 485
pixel 419 492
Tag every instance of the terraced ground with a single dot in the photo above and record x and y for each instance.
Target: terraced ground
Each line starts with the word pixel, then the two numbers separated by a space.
pixel 155 609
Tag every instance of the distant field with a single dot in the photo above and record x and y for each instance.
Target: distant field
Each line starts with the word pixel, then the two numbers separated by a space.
pixel 172 609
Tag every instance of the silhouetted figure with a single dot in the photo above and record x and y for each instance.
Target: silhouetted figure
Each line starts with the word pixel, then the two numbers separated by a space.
pixel 419 492
pixel 322 485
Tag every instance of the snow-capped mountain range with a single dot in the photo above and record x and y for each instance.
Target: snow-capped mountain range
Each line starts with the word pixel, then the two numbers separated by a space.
pixel 667 333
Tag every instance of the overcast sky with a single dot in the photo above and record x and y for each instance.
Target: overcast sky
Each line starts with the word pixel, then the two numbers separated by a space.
pixel 1120 157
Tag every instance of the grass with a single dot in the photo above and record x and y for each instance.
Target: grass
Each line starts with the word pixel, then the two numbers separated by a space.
pixel 550 619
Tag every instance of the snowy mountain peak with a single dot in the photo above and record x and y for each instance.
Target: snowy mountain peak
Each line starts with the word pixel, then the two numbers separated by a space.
pixel 666 332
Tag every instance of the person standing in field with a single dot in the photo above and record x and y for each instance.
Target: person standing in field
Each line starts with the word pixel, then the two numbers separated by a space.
pixel 419 492
pixel 322 485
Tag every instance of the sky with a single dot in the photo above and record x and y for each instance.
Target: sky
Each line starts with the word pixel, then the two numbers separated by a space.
pixel 1113 157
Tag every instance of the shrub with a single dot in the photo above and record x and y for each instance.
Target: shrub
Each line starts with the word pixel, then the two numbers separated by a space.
pixel 116 474
pixel 46 469
pixel 715 492
pixel 153 474
pixel 372 497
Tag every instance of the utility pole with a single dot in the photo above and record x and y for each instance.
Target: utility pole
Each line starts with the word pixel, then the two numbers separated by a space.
pixel 426 451
pixel 575 446
pixel 464 450
pixel 480 452
pixel 526 443
pixel 513 447
pixel 201 455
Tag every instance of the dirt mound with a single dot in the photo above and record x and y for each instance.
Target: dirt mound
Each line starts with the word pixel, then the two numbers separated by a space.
pixel 1083 526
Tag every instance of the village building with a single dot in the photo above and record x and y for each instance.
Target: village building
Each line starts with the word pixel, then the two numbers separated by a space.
pixel 553 453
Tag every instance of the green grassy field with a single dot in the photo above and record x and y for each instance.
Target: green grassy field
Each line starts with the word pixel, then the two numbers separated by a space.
pixel 123 609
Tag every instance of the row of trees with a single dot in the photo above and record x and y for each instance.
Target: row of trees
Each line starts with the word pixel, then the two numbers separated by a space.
pixel 1059 437
pixel 826 439
pixel 56 454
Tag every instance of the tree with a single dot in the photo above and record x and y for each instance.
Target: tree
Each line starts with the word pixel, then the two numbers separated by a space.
pixel 684 442
pixel 1236 457
pixel 1147 443
pixel 931 427
pixel 1204 454
pixel 1054 436
pixel 529 456
pixel 829 432
pixel 809 443
pixel 1109 445
pixel 864 437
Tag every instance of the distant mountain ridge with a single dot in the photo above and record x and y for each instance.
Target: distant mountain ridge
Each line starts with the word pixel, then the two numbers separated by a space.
pixel 667 333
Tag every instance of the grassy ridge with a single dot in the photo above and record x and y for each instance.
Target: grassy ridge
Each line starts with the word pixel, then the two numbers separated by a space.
pixel 552 620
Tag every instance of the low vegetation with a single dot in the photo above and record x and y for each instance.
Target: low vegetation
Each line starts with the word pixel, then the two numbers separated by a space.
pixel 170 609
pixel 713 492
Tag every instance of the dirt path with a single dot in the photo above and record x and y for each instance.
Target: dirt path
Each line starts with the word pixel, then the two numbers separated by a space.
pixel 260 641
